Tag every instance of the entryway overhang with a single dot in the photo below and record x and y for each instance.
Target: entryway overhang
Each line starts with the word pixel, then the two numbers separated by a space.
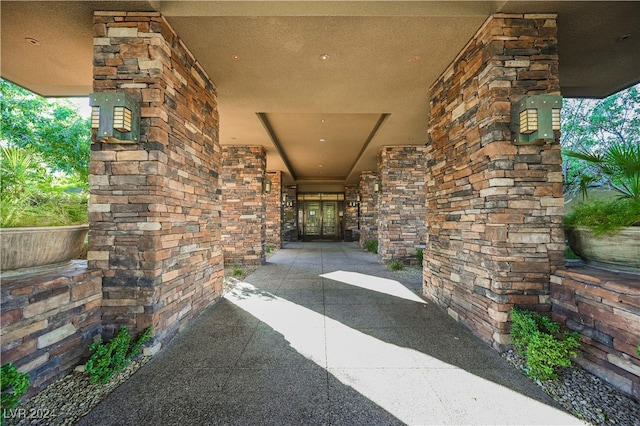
pixel 314 60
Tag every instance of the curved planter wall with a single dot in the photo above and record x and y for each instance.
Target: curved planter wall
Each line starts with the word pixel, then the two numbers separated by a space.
pixel 618 251
pixel 38 246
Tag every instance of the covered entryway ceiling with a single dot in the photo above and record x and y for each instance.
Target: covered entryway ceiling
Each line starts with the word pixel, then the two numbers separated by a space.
pixel 275 87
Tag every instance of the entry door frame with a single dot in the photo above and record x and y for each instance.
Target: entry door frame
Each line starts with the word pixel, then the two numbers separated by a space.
pixel 308 232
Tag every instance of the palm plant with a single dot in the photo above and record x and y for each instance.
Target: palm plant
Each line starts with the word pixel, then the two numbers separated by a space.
pixel 617 167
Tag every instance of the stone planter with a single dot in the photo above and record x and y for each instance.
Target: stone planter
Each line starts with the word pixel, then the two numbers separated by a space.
pixel 620 251
pixel 26 248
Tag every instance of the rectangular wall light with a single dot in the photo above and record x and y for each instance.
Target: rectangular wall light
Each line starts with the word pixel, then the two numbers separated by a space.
pixel 534 118
pixel 116 117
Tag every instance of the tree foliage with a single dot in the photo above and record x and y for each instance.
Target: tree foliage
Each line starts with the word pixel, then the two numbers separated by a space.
pixel 44 160
pixel 601 141
pixel 53 129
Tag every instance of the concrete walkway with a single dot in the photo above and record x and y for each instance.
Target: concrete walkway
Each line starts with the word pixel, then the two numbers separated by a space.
pixel 323 334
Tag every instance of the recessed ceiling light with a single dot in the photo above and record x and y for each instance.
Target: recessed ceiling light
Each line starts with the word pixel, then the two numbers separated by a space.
pixel 323 120
pixel 32 41
pixel 324 57
pixel 235 57
pixel 323 140
pixel 415 58
pixel 319 165
pixel 624 37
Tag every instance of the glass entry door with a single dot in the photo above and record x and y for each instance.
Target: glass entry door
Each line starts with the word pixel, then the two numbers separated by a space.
pixel 320 220
pixel 313 219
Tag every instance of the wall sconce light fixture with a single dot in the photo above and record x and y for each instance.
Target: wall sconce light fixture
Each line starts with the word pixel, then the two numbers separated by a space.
pixel 266 186
pixel 376 185
pixel 116 117
pixel 286 201
pixel 534 118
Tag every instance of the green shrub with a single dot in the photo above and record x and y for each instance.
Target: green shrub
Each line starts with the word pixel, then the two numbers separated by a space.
pixel 109 358
pixel 237 271
pixel 371 246
pixel 420 256
pixel 267 249
pixel 32 196
pixel 605 217
pixel 395 265
pixel 541 342
pixel 14 385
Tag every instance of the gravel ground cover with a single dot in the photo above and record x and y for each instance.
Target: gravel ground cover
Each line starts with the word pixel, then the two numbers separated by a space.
pixel 585 395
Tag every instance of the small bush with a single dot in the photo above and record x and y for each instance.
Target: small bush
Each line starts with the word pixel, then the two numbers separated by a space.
pixel 420 256
pixel 540 341
pixel 14 385
pixel 110 358
pixel 605 217
pixel 395 265
pixel 371 246
pixel 267 249
pixel 237 271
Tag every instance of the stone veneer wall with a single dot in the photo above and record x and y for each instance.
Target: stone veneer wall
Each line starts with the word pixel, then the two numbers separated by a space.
pixel 274 209
pixel 351 212
pixel 368 208
pixel 604 307
pixel 243 209
pixel 494 209
pixel 154 209
pixel 49 320
pixel 290 217
pixel 401 202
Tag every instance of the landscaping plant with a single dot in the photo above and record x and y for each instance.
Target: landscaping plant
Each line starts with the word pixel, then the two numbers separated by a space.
pixel 14 385
pixel 110 358
pixel 44 161
pixel 32 196
pixel 543 345
pixel 371 246
pixel 600 139
pixel 420 256
pixel 396 265
pixel 605 217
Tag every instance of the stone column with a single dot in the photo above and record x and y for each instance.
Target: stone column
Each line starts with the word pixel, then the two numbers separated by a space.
pixel 401 202
pixel 244 204
pixel 368 208
pixel 290 220
pixel 154 209
pixel 274 207
pixel 494 209
pixel 351 222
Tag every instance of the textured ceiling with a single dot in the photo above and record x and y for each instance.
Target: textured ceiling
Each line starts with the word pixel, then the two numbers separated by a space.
pixel 274 90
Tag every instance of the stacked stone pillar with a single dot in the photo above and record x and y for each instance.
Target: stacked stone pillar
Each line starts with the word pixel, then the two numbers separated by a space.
pixel 154 209
pixel 244 204
pixel 274 212
pixel 401 202
pixel 290 216
pixel 368 208
pixel 494 209
pixel 351 212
